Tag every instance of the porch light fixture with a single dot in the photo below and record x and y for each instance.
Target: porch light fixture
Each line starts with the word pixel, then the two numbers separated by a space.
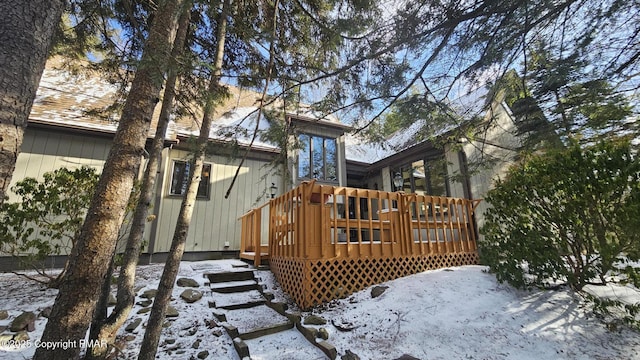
pixel 273 189
pixel 398 181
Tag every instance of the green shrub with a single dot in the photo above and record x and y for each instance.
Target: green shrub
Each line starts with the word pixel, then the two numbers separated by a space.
pixel 48 218
pixel 568 216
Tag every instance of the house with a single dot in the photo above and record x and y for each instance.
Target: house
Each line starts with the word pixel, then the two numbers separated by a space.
pixel 67 128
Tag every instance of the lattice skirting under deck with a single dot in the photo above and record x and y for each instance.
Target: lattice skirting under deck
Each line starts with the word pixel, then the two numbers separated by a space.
pixel 312 282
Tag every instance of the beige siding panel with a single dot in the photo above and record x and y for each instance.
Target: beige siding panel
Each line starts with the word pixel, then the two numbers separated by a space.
pixel 214 220
pixel 64 148
pixel 45 151
pixel 500 132
pixel 453 171
pixel 50 154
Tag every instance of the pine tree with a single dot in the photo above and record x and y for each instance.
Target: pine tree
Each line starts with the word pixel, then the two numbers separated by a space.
pixel 26 34
pixel 76 300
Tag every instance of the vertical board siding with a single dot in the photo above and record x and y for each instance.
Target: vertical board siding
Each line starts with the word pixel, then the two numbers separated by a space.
pixel 45 151
pixel 501 132
pixel 215 220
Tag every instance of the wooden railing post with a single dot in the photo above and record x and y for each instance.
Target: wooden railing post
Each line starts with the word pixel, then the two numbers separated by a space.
pixel 243 234
pixel 257 235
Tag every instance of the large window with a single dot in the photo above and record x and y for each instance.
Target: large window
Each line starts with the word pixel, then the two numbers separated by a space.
pixel 425 177
pixel 317 158
pixel 180 179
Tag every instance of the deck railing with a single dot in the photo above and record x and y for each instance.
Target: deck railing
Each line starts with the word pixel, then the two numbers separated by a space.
pixel 339 229
pixel 254 240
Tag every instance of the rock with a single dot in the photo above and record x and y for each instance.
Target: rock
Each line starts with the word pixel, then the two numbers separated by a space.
pixel 343 326
pixel 4 314
pixel 133 325
pixel 407 357
pixel 203 354
pixel 171 312
pixel 24 321
pixel 46 312
pixel 144 310
pixel 210 323
pixel 378 290
pixel 349 356
pixel 112 301
pixel 166 324
pixel 144 303
pixel 3 328
pixel 323 334
pixel 5 338
pixel 192 332
pixel 191 296
pixel 217 332
pixel 196 344
pixel 22 336
pixel 314 320
pixel 186 282
pixel 129 337
pixel 313 332
pixel 149 294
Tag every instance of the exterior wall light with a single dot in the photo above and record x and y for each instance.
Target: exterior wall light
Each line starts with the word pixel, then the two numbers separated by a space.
pixel 398 181
pixel 273 189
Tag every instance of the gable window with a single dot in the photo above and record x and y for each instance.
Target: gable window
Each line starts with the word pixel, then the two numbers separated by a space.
pixel 317 158
pixel 180 179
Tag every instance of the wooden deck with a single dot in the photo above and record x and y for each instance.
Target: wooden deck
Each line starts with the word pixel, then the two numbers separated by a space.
pixel 324 242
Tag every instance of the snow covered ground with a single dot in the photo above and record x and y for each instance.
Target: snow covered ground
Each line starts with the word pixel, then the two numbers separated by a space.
pixel 456 313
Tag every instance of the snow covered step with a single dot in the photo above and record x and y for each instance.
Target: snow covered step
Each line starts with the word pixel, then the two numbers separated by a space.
pixel 289 344
pixel 254 322
pixel 237 300
pixel 226 276
pixel 234 286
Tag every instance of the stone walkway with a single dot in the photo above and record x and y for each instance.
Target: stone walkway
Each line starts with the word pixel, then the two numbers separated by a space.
pixel 257 324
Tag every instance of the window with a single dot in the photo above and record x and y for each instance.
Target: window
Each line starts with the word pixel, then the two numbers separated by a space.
pixel 317 158
pixel 425 177
pixel 180 179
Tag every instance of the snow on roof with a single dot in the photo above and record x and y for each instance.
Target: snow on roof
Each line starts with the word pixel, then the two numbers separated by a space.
pixel 360 150
pixel 308 112
pixel 63 98
pixel 239 125
pixel 75 100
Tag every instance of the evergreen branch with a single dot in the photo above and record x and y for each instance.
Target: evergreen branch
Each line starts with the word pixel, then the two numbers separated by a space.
pixel 262 102
pixel 326 27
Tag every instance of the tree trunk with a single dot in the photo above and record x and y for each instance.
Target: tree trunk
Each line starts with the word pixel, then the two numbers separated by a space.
pixel 79 291
pixel 100 314
pixel 26 32
pixel 151 338
pixel 103 329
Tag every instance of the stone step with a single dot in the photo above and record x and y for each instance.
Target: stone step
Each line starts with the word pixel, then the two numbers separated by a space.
pixel 226 276
pixel 250 320
pixel 247 313
pixel 289 344
pixel 237 300
pixel 234 286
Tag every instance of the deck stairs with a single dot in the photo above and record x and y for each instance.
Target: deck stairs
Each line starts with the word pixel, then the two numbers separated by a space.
pixel 254 321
